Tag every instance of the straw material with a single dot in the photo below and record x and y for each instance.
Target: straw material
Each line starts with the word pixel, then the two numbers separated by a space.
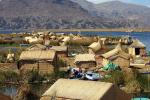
pixel 66 39
pixel 96 46
pixel 59 48
pixel 84 90
pixel 116 52
pixel 36 47
pixel 38 55
pixel 84 58
pixel 137 44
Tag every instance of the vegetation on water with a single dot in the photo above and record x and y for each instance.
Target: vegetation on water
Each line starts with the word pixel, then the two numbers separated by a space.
pixel 133 81
pixel 5 52
pixel 32 77
pixel 9 45
pixel 25 93
pixel 9 77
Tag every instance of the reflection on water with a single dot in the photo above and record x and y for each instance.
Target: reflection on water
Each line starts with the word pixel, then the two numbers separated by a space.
pixel 11 90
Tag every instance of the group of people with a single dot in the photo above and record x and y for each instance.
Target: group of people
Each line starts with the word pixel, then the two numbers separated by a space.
pixel 80 73
pixel 97 74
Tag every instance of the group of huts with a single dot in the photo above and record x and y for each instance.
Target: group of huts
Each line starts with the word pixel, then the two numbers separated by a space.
pixel 65 89
pixel 45 57
pixel 117 55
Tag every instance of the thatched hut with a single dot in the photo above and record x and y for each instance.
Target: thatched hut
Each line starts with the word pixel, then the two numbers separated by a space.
pixel 36 47
pixel 85 60
pixel 65 89
pixel 65 40
pixel 32 39
pixel 137 48
pixel 95 47
pixel 61 51
pixel 42 60
pixel 10 57
pixel 117 56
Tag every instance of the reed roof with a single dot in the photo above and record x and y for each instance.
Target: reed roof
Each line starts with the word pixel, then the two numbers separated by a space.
pixel 38 55
pixel 96 46
pixel 85 90
pixel 116 52
pixel 137 44
pixel 84 58
pixel 36 47
pixel 59 48
pixel 66 39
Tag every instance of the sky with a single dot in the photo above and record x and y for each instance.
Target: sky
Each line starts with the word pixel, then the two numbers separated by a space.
pixel 139 2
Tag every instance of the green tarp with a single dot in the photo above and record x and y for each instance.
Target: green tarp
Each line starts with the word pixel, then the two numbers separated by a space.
pixel 110 67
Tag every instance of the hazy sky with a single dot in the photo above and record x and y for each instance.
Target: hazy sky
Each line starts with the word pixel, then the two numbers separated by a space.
pixel 140 2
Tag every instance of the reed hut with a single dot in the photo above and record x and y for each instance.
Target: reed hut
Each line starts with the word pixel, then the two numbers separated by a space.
pixel 65 40
pixel 117 56
pixel 95 47
pixel 32 39
pixel 137 48
pixel 85 60
pixel 11 57
pixel 65 89
pixel 42 60
pixel 103 40
pixel 36 47
pixel 61 51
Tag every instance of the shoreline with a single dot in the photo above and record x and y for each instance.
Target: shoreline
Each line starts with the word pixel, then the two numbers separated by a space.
pixel 77 30
pixel 96 30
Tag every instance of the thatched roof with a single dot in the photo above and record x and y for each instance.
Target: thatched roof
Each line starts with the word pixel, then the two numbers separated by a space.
pixel 38 55
pixel 66 39
pixel 116 52
pixel 96 46
pixel 59 48
pixel 137 44
pixel 84 58
pixel 84 90
pixel 36 47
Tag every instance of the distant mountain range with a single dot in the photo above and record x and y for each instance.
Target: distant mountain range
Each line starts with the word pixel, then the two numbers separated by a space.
pixel 116 10
pixel 47 14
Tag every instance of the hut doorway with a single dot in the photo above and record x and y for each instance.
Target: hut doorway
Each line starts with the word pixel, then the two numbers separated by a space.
pixel 137 51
